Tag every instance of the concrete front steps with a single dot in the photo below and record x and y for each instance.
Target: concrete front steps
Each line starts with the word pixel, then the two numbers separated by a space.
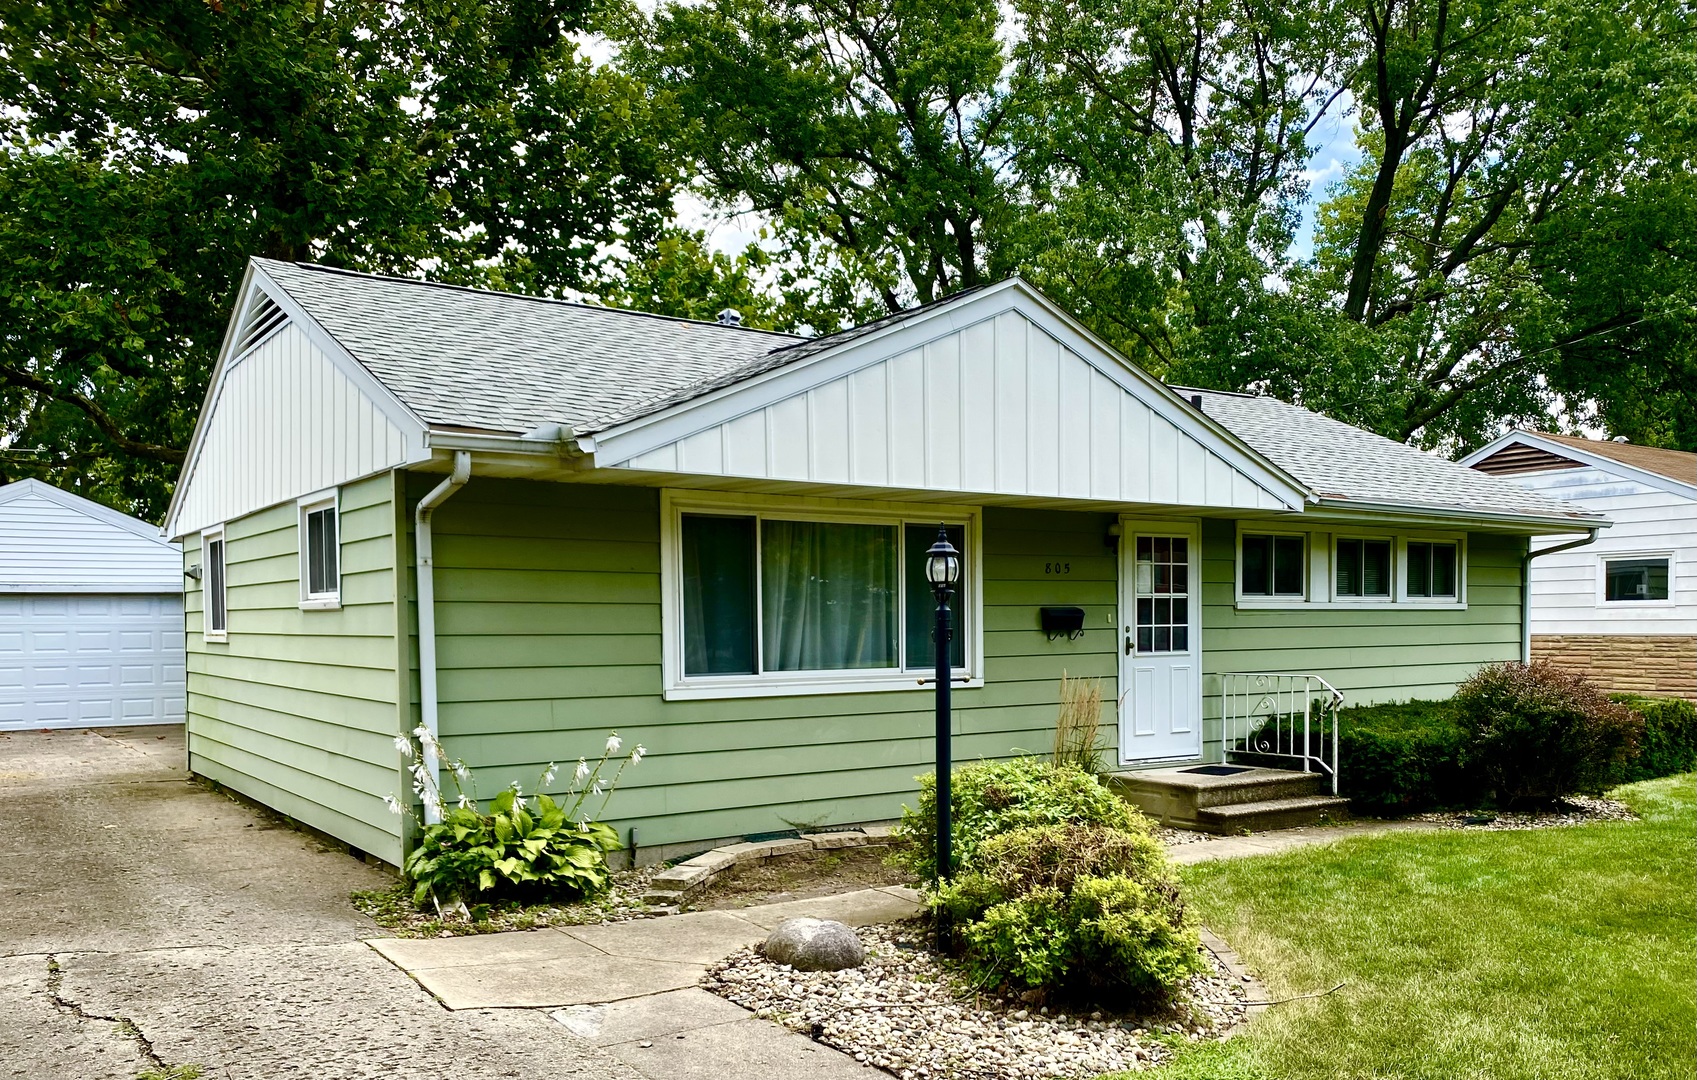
pixel 1245 800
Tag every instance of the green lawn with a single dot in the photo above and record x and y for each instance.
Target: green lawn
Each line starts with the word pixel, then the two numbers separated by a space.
pixel 1547 954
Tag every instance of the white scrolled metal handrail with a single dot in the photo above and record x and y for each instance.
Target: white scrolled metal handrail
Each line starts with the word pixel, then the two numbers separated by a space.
pixel 1260 711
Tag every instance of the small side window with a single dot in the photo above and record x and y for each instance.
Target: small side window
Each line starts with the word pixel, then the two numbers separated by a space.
pixel 321 569
pixel 215 611
pixel 1273 566
pixel 1431 570
pixel 1364 569
pixel 1637 579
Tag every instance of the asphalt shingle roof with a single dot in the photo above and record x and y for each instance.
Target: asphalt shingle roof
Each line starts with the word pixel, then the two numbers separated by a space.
pixel 502 362
pixel 1342 463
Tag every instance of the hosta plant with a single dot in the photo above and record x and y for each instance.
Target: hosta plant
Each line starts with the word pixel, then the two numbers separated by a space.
pixel 521 848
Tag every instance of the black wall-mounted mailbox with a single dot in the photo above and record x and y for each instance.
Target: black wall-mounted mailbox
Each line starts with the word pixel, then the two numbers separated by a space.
pixel 1063 620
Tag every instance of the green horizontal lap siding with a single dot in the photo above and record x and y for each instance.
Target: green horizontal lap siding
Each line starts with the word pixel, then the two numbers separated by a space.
pixel 548 637
pixel 1371 656
pixel 298 710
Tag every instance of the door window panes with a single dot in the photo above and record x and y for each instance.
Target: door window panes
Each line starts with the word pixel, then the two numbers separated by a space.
pixel 1162 581
pixel 1635 579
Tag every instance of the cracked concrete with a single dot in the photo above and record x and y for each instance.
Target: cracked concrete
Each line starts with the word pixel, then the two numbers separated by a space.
pixel 145 922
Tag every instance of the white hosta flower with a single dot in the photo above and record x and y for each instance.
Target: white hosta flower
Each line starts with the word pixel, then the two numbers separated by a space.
pixel 598 787
pixel 517 790
pixel 465 801
pixel 581 773
pixel 404 745
pixel 394 805
pixel 548 777
pixel 461 771
pixel 583 825
pixel 638 754
pixel 518 804
pixel 613 743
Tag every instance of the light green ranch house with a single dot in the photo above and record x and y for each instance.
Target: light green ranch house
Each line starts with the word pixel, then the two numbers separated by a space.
pixel 526 523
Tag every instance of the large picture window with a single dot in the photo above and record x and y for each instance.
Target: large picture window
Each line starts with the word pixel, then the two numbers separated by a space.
pixel 1272 565
pixel 1638 579
pixel 777 597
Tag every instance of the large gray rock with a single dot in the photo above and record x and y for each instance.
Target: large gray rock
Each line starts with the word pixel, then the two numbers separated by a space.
pixel 809 944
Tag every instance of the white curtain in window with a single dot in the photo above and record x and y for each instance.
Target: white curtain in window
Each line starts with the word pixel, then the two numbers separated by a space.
pixel 828 595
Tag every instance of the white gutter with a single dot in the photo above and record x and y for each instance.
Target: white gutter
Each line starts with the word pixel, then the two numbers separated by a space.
pixel 1526 586
pixel 427 616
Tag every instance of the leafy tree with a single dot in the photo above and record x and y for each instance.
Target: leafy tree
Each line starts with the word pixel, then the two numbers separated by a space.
pixel 147 149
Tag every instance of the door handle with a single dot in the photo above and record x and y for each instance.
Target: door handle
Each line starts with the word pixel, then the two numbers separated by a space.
pixel 1129 647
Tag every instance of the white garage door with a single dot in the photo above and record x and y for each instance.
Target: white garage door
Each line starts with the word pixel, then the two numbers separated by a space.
pixel 88 660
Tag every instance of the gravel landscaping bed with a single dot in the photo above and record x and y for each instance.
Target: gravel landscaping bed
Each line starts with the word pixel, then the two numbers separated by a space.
pixel 1170 837
pixel 905 1012
pixel 393 910
pixel 1573 810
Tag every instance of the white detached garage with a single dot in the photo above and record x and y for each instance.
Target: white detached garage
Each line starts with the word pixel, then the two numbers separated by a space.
pixel 91 614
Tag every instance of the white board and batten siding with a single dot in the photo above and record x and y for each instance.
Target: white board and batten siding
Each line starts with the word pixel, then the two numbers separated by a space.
pixel 288 415
pixel 1000 407
pixel 91 614
pixel 1648 519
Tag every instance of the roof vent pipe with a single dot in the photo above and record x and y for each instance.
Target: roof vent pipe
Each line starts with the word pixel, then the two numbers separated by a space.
pixel 1196 400
pixel 426 551
pixel 730 317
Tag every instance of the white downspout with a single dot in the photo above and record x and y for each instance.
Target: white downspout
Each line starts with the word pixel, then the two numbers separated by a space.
pixel 1526 587
pixel 427 615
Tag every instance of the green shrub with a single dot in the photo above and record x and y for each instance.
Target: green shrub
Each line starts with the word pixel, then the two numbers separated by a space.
pixel 509 853
pixel 1536 733
pixel 1076 910
pixel 1669 744
pixel 1398 759
pixel 992 797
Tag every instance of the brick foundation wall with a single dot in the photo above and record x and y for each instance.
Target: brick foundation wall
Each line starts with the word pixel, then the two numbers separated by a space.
pixel 1626 663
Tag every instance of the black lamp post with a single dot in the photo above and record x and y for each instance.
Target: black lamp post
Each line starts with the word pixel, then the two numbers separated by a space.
pixel 942 570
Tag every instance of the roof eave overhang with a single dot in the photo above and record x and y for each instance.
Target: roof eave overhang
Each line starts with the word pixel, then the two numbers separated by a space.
pixel 1417 513
pixel 1582 456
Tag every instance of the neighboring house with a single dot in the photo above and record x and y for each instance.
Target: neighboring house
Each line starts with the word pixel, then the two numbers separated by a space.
pixel 708 538
pixel 1621 610
pixel 91 614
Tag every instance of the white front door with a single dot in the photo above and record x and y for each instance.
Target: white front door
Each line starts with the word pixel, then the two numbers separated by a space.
pixel 1160 711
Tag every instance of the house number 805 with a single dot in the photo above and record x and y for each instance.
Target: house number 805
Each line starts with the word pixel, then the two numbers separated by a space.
pixel 1057 568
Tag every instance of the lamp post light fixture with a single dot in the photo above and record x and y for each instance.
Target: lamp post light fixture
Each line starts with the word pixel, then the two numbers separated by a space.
pixel 942 570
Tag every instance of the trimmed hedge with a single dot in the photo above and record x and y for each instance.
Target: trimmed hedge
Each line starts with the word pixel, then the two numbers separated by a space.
pixel 1669 743
pixel 1413 756
pixel 1401 759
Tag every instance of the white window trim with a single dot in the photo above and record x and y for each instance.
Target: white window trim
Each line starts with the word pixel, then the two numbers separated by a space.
pixel 307 504
pixel 207 536
pixel 679 687
pixel 1458 602
pixel 1245 600
pixel 1320 568
pixel 1605 604
pixel 1397 564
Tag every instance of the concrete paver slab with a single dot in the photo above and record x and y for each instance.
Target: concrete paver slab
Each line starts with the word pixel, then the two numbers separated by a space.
pixel 515 947
pixel 1271 843
pixel 700 937
pixel 648 1017
pixel 577 980
pixel 866 907
pixel 746 1050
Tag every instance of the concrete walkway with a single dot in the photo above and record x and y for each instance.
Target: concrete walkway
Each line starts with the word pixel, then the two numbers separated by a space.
pixel 1273 843
pixel 629 989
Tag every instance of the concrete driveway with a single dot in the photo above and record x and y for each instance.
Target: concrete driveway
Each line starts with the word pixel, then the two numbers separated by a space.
pixel 147 922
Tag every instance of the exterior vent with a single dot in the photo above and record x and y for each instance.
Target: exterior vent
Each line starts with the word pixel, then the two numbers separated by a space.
pixel 264 318
pixel 730 317
pixel 1519 458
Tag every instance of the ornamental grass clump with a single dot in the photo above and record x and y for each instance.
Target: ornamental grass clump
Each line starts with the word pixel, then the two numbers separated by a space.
pixel 1535 733
pixel 524 848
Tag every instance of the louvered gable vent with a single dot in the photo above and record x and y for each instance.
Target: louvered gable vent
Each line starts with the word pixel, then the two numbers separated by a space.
pixel 263 319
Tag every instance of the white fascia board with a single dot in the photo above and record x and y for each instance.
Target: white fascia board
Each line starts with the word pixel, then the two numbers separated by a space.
pixel 625 441
pixel 1347 510
pixel 70 500
pixel 1582 456
pixel 254 282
